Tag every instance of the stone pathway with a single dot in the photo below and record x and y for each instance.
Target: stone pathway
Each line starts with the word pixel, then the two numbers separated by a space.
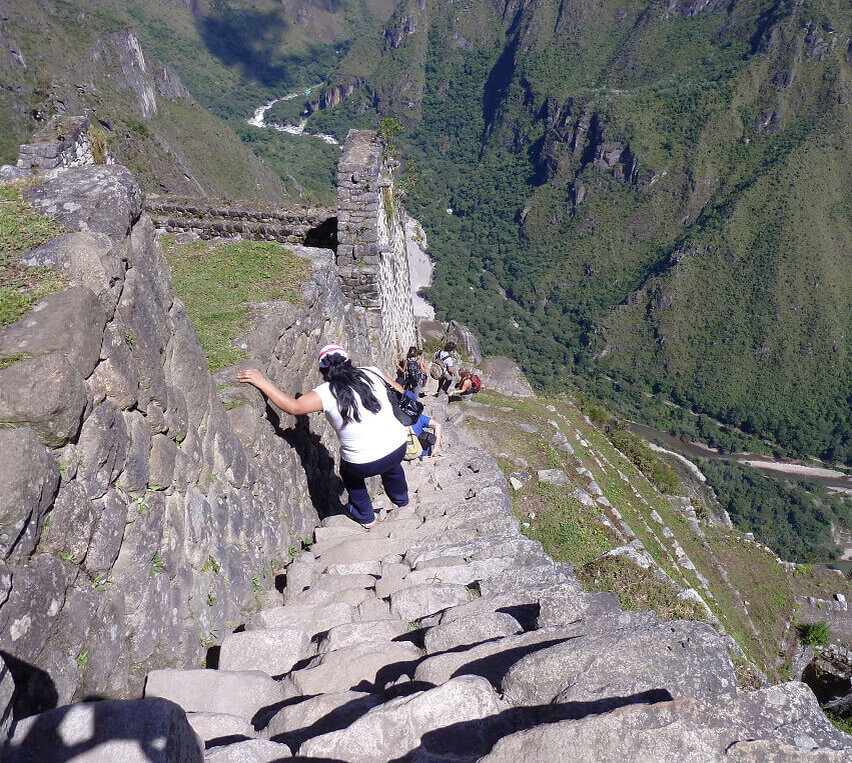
pixel 444 634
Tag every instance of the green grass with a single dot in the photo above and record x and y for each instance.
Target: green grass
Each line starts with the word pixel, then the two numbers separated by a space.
pixel 20 231
pixel 218 281
pixel 815 634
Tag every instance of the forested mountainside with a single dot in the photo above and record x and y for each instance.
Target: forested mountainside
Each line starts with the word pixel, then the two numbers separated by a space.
pixel 652 198
pixel 171 83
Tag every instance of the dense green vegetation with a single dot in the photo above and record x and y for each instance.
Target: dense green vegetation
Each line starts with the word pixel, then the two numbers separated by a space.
pixel 658 200
pixel 794 518
pixel 216 283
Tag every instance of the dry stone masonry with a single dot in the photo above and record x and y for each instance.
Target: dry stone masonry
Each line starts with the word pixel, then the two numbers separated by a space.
pixel 210 218
pixel 63 142
pixel 138 516
pixel 444 634
pixel 372 258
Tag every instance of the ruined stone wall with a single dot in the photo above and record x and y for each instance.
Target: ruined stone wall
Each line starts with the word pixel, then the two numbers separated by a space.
pixel 212 218
pixel 371 254
pixel 140 518
pixel 64 142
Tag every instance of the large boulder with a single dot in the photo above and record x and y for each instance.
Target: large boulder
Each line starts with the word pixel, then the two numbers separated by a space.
pixel 131 731
pixel 274 651
pixel 785 722
pixel 29 479
pixel 98 198
pixel 70 322
pixel 47 395
pixel 86 259
pixel 502 375
pixel 664 660
pixel 240 693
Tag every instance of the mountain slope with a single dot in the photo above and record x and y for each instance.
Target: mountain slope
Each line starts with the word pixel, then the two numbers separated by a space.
pixel 647 191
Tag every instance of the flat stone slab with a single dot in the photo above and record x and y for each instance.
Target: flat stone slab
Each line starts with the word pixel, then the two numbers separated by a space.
pixel 312 619
pixel 132 731
pixel 355 634
pixel 240 693
pixel 356 667
pixel 295 724
pixel 404 725
pixel 409 604
pixel 251 751
pixel 274 650
pixel 470 630
pixel 220 727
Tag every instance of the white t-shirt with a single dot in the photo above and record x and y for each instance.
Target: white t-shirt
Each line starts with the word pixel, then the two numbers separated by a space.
pixel 375 435
pixel 447 359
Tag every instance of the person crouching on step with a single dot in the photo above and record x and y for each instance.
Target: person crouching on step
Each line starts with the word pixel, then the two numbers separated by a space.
pixel 356 404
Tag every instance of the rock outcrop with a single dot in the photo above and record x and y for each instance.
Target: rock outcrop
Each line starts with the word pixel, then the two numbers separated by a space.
pixel 138 516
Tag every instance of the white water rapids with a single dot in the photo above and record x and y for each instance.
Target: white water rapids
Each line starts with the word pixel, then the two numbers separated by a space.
pixel 259 118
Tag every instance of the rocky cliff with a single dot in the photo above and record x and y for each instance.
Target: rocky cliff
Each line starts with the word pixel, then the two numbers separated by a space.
pixel 140 520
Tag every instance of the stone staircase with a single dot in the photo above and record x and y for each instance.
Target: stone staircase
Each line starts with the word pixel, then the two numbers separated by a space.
pixel 443 634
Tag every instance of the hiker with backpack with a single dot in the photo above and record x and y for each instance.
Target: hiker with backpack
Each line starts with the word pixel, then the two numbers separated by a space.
pixel 412 371
pixel 357 404
pixel 443 368
pixel 468 384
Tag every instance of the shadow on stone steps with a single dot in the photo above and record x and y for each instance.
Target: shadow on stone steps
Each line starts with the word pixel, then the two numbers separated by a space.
pixel 472 739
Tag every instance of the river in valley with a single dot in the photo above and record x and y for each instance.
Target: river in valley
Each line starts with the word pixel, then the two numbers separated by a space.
pixel 773 467
pixel 259 117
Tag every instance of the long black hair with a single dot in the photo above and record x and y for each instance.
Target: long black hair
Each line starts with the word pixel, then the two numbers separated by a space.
pixel 345 381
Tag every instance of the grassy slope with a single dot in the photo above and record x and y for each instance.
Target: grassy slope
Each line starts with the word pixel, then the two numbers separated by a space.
pixel 217 283
pixel 751 594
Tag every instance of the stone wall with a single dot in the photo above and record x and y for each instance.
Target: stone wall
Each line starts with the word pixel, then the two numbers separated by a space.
pixel 371 255
pixel 63 142
pixel 140 518
pixel 214 218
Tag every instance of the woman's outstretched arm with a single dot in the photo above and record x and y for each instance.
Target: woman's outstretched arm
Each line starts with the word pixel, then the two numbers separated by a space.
pixel 307 403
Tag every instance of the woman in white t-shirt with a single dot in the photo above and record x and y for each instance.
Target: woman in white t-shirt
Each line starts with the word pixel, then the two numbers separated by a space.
pixel 356 404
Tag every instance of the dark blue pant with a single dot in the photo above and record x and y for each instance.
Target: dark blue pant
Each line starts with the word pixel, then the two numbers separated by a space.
pixel 393 478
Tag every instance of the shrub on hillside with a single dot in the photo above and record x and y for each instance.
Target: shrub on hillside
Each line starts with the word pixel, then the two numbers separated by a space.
pixel 815 634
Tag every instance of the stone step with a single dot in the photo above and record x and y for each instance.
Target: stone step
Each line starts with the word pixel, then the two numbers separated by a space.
pixel 409 728
pixel 221 728
pixel 240 693
pixel 417 602
pixel 311 619
pixel 356 667
pixel 295 724
pixel 273 650
pixel 780 723
pixel 471 630
pixel 490 660
pixel 366 632
pixel 251 751
pixel 354 550
pixel 662 661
